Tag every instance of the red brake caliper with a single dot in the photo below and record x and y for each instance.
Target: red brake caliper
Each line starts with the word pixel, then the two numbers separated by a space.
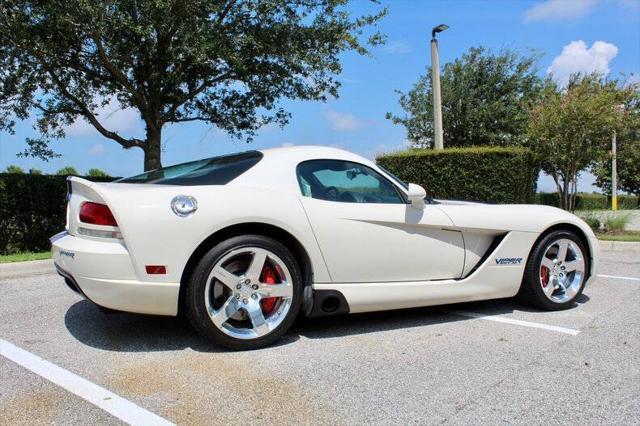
pixel 268 276
pixel 544 276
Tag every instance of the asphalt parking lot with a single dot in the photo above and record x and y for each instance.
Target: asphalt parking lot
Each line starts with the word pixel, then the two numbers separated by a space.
pixel 489 362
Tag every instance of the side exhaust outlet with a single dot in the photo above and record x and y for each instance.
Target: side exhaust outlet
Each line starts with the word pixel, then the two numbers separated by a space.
pixel 328 302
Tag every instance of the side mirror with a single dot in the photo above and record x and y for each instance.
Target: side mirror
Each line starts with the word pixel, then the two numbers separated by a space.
pixel 416 195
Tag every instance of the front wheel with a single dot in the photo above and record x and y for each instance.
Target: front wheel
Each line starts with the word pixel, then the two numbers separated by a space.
pixel 245 292
pixel 556 271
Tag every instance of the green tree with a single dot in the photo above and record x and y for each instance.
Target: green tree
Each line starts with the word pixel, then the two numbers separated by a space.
pixel 68 171
pixel 97 173
pixel 628 154
pixel 485 100
pixel 571 128
pixel 14 169
pixel 34 171
pixel 224 62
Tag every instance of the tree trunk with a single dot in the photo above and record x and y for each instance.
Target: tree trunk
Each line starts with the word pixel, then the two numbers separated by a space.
pixel 574 192
pixel 559 189
pixel 564 196
pixel 152 150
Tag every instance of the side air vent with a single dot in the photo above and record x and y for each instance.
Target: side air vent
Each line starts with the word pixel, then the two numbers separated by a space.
pixel 492 248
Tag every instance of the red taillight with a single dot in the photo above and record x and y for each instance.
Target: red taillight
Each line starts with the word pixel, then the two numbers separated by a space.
pixel 97 214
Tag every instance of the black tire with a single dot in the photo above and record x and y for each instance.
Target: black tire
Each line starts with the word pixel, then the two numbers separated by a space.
pixel 531 291
pixel 195 293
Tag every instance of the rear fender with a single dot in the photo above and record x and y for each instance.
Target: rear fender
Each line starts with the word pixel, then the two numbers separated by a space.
pixel 154 235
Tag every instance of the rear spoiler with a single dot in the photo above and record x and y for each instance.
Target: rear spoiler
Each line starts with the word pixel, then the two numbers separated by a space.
pixel 69 188
pixel 78 191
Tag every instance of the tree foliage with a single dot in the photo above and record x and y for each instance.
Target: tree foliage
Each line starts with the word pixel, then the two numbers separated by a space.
pixel 68 171
pixel 628 162
pixel 571 128
pixel 224 62
pixel 13 169
pixel 485 100
pixel 97 173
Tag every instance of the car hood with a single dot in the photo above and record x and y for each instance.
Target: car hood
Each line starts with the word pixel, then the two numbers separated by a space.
pixel 457 202
pixel 509 217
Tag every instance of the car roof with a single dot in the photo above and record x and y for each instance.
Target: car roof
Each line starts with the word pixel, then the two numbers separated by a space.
pixel 300 153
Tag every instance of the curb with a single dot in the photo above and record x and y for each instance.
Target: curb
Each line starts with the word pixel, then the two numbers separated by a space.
pixel 25 269
pixel 627 246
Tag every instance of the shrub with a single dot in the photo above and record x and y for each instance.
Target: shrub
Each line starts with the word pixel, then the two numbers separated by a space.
pixel 616 223
pixel 626 202
pixel 590 201
pixel 592 220
pixel 32 209
pixel 487 174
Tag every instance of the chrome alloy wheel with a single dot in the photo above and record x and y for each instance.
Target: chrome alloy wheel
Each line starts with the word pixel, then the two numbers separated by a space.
pixel 248 293
pixel 562 270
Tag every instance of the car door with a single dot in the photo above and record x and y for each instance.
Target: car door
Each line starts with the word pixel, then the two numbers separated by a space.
pixel 368 233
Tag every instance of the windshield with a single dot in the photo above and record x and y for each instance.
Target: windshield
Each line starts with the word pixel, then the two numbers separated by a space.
pixel 209 171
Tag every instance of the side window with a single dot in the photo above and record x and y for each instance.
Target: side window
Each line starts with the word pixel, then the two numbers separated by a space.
pixel 305 188
pixel 346 182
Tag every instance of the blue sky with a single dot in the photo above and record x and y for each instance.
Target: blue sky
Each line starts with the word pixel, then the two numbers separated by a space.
pixel 583 35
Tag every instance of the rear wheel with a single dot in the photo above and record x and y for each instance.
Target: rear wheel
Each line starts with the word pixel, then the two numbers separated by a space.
pixel 245 292
pixel 556 271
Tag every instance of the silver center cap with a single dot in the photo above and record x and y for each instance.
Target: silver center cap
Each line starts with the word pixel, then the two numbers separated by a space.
pixel 246 291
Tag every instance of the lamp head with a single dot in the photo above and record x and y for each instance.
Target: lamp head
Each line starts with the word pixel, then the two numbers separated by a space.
pixel 440 28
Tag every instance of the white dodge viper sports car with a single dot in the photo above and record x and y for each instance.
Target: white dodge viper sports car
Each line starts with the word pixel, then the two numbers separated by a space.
pixel 244 243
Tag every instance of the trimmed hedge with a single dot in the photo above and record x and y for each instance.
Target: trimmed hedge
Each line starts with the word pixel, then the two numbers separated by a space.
pixel 32 209
pixel 486 174
pixel 590 201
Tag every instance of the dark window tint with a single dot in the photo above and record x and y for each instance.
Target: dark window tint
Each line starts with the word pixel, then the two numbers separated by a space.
pixel 346 182
pixel 211 171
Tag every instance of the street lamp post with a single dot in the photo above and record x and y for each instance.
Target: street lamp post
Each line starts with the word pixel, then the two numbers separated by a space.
pixel 614 164
pixel 435 83
pixel 614 173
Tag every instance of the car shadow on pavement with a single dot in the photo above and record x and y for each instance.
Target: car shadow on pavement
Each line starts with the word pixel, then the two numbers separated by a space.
pixel 126 332
pixel 371 322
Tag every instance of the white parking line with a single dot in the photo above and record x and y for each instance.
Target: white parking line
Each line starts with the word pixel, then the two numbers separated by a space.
pixel 118 407
pixel 618 277
pixel 516 322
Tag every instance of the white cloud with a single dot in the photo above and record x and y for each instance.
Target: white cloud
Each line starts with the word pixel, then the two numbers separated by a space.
pixel 559 10
pixel 342 121
pixel 112 116
pixel 576 57
pixel 633 79
pixel 97 149
pixel 397 47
